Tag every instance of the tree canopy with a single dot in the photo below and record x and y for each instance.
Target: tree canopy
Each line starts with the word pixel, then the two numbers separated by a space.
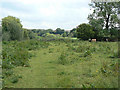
pixel 104 18
pixel 11 28
pixel 85 31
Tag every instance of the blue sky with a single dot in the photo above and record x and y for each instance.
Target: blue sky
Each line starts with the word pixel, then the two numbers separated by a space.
pixel 44 14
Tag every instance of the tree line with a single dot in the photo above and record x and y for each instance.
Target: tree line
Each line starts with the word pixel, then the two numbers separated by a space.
pixel 103 22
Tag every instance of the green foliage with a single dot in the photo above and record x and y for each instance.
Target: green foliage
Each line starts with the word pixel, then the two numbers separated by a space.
pixel 114 32
pixel 73 33
pixel 66 66
pixel 26 37
pixel 87 53
pixel 6 36
pixel 65 82
pixel 31 35
pixel 8 72
pixel 115 54
pixel 104 18
pixel 48 35
pixel 41 32
pixel 59 31
pixel 85 31
pixel 16 53
pixel 62 59
pixel 12 27
pixel 64 34
pixel 51 50
pixel 17 57
pixel 14 79
pixel 107 12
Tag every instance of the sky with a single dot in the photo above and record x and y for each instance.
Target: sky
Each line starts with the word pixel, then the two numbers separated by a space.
pixel 47 14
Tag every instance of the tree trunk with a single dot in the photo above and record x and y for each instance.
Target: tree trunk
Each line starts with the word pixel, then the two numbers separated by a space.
pixel 107 22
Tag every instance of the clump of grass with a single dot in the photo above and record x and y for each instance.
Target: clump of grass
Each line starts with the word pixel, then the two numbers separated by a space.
pixel 104 67
pixel 82 48
pixel 65 82
pixel 44 53
pixel 62 73
pixel 62 59
pixel 7 72
pixel 73 60
pixel 87 53
pixel 115 68
pixel 15 53
pixel 115 54
pixel 14 79
pixel 88 86
pixel 50 50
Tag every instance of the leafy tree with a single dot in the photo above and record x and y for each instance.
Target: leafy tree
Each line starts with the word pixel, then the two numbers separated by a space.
pixel 114 32
pixel 50 31
pixel 59 31
pixel 73 33
pixel 85 31
pixel 12 26
pixel 42 32
pixel 104 17
pixel 6 36
pixel 105 13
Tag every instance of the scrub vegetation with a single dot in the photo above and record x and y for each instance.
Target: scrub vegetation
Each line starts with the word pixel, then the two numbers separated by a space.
pixel 84 57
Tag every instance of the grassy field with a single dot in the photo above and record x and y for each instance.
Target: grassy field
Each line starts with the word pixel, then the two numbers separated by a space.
pixel 69 64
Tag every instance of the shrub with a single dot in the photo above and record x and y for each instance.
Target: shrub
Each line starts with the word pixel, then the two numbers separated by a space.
pixel 85 31
pixel 62 59
pixel 7 72
pixel 115 54
pixel 14 79
pixel 15 53
pixel 51 50
pixel 87 53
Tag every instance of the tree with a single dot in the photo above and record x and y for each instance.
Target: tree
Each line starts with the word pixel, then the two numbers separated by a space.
pixel 104 17
pixel 59 31
pixel 104 12
pixel 85 31
pixel 73 33
pixel 12 26
pixel 50 31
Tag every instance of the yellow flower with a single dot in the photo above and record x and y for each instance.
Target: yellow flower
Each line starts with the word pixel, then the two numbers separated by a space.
pixel 96 70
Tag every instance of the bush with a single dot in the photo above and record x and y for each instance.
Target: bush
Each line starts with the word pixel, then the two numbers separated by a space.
pixel 62 59
pixel 85 31
pixel 14 79
pixel 87 53
pixel 7 72
pixel 114 55
pixel 15 53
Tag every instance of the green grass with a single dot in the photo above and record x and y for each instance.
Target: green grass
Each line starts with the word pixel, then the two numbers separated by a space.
pixel 79 64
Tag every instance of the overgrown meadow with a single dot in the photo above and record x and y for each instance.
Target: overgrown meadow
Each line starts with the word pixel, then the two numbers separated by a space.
pixel 85 56
pixel 59 63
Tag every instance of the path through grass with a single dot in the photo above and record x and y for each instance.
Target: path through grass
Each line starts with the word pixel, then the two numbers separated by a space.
pixel 80 72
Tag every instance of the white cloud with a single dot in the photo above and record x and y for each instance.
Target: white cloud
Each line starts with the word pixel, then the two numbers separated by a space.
pixel 47 13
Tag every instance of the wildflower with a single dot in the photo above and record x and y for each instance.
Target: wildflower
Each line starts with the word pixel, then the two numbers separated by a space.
pixel 96 70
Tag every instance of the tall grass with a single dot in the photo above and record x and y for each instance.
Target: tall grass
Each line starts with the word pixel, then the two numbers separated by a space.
pixel 16 53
